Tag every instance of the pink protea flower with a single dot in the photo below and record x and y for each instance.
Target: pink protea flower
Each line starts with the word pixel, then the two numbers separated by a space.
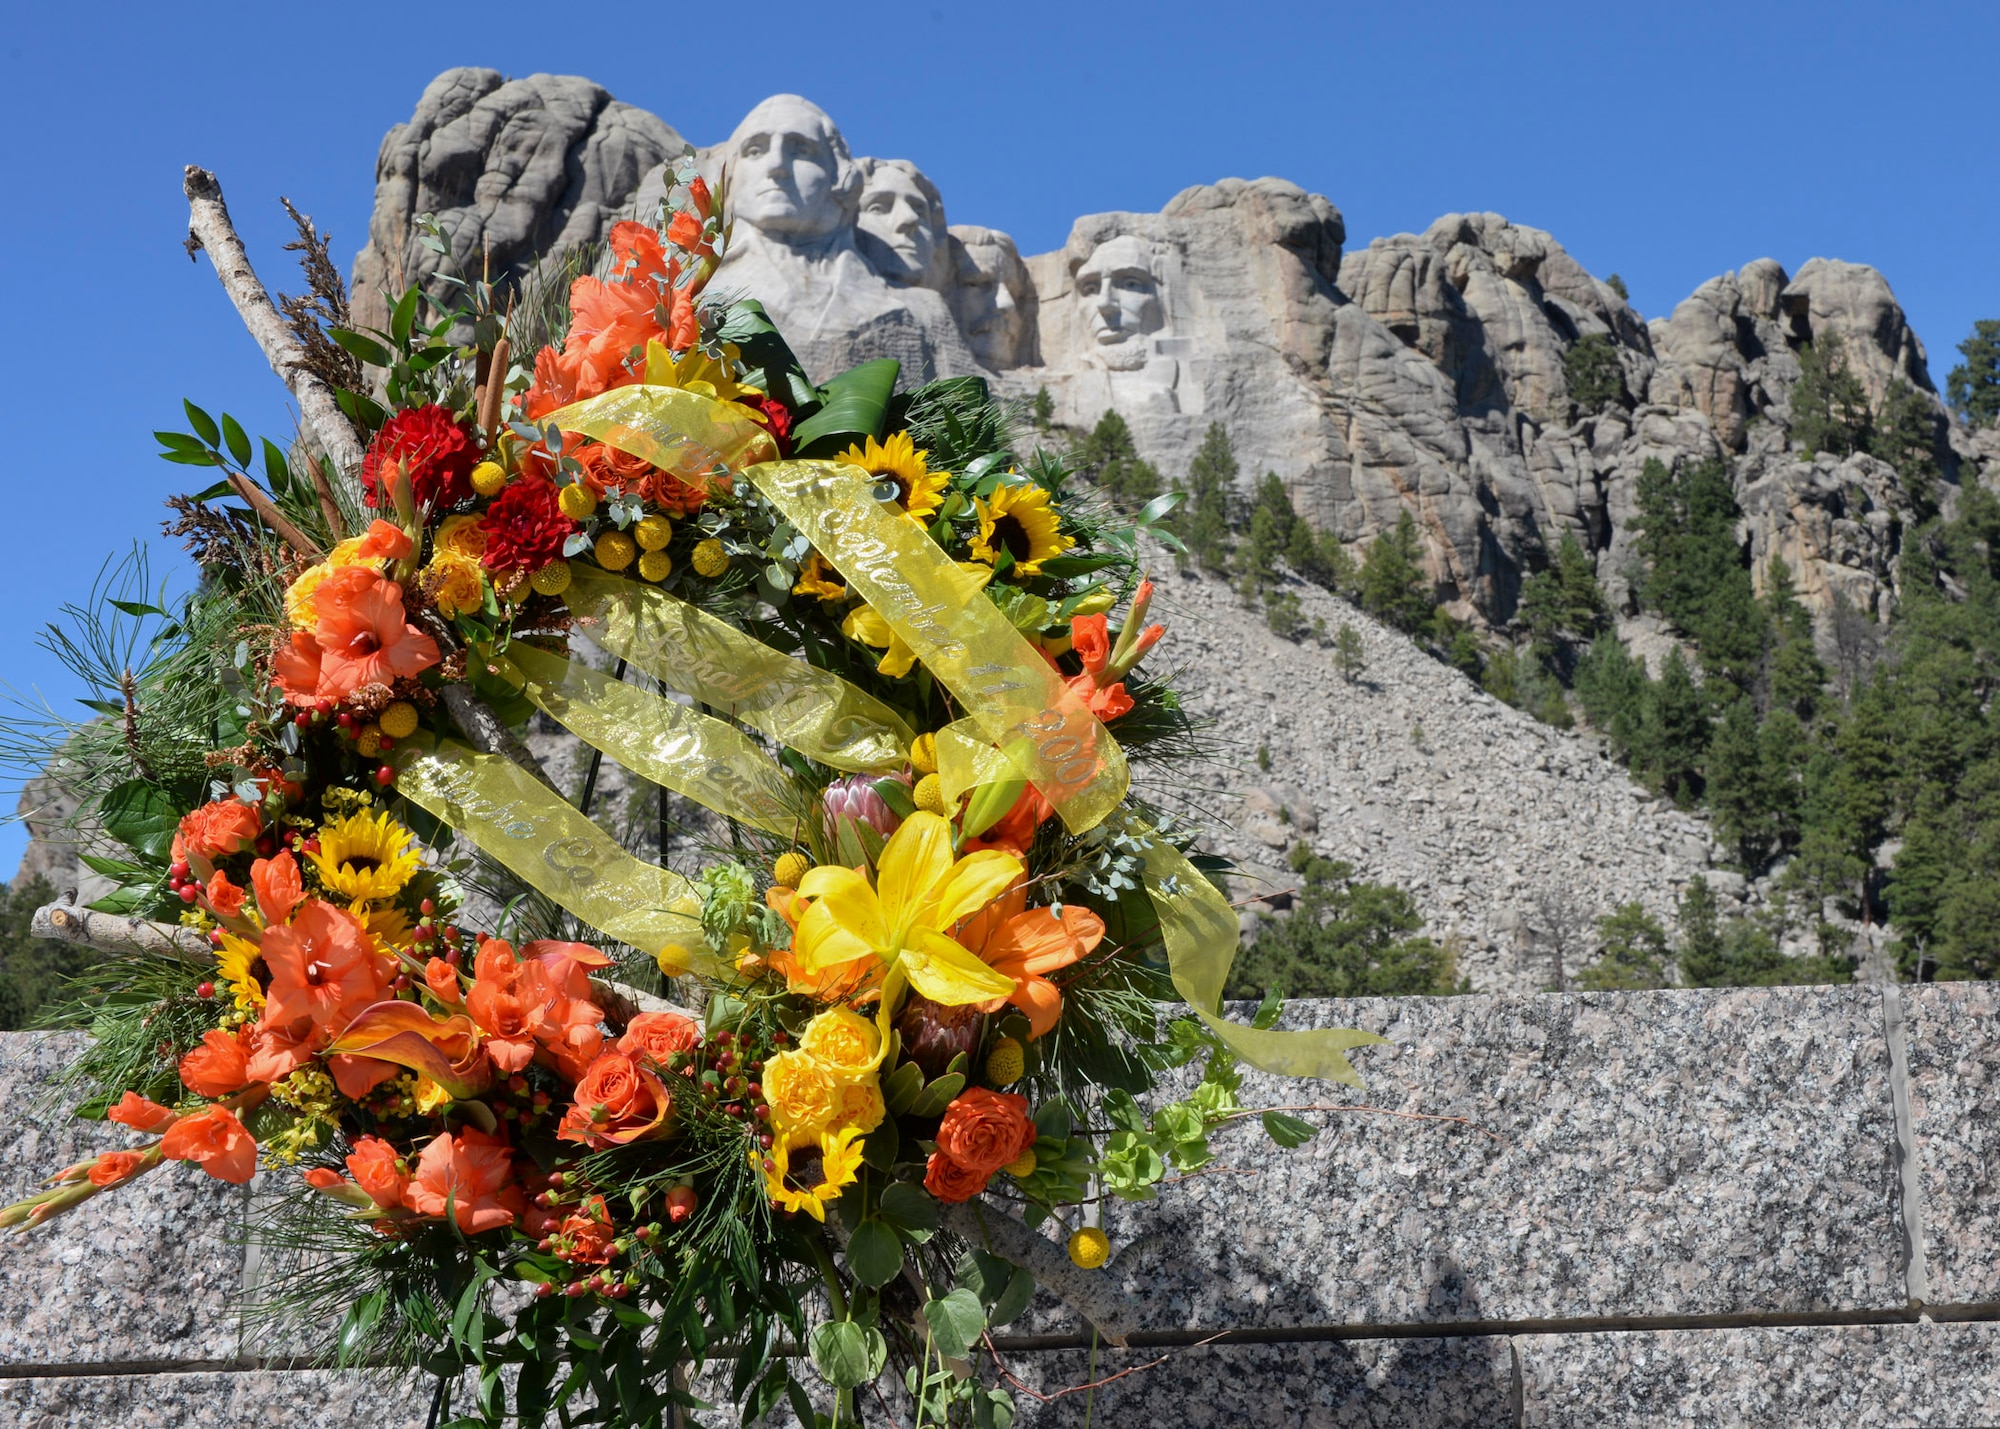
pixel 854 797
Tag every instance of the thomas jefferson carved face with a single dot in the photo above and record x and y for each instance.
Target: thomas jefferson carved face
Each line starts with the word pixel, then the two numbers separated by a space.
pixel 989 295
pixel 901 221
pixel 790 173
pixel 1120 299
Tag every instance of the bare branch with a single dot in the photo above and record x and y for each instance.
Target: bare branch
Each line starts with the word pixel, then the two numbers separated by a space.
pixel 64 922
pixel 1092 1294
pixel 485 732
pixel 209 228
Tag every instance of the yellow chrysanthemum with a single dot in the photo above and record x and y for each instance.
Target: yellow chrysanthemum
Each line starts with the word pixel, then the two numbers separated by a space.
pixel 919 490
pixel 233 961
pixel 365 859
pixel 808 1170
pixel 1019 521
pixel 818 578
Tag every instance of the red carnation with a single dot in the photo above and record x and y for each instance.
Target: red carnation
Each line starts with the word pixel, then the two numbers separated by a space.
pixel 430 446
pixel 777 421
pixel 525 527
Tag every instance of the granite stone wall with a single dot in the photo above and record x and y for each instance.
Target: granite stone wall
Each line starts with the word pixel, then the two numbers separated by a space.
pixel 1769 1206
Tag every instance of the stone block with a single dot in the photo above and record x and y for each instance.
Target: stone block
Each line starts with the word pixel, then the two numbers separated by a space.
pixel 1651 1154
pixel 1855 1376
pixel 142 1273
pixel 296 1399
pixel 1954 1041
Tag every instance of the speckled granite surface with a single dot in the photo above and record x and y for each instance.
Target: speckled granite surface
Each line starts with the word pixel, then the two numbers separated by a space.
pixel 1660 1154
pixel 1954 1039
pixel 142 1273
pixel 1855 1377
pixel 293 1399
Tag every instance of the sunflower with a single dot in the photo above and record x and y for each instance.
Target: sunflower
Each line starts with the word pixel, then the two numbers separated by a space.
pixel 919 490
pixel 233 961
pixel 818 578
pixel 365 858
pixel 1019 521
pixel 806 1170
pixel 386 925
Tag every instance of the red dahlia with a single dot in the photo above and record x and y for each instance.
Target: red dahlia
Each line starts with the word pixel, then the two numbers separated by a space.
pixel 778 421
pixel 432 447
pixel 525 528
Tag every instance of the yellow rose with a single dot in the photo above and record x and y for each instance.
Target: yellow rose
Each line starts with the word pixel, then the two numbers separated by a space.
pixel 799 1091
pixel 859 1104
pixel 460 536
pixel 454 585
pixel 843 1042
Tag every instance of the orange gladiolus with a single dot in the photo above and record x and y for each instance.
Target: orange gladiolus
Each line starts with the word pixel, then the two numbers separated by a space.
pixel 224 897
pixel 473 1174
pixel 217 1141
pixel 1090 637
pixel 375 1169
pixel 364 638
pixel 508 1001
pixel 278 887
pixel 323 968
pixel 278 1051
pixel 1107 702
pixel 1027 944
pixel 442 979
pixel 112 1167
pixel 384 541
pixel 140 1114
pixel 358 1076
pixel 218 1067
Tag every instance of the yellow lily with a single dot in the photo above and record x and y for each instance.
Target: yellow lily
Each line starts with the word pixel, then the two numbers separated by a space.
pixel 920 890
pixel 863 624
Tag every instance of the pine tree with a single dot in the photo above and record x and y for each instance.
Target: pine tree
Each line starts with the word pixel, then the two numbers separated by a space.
pixel 1635 953
pixel 1615 691
pixel 1394 587
pixel 1564 603
pixel 1348 656
pixel 1973 388
pixel 1793 672
pixel 1734 779
pixel 1592 373
pixel 1042 409
pixel 1829 404
pixel 1701 959
pixel 1204 522
pixel 1906 434
pixel 1617 285
pixel 1108 457
pixel 1344 938
pixel 1676 735
pixel 1269 529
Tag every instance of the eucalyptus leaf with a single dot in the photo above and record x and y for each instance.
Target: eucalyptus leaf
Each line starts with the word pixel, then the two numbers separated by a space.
pixel 846 1355
pixel 908 1208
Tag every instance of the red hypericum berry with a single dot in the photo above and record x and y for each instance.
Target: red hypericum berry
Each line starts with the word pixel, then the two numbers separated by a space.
pixel 177 872
pixel 555 1178
pixel 346 720
pixel 764 1140
pixel 763 1112
pixel 385 776
pixel 754 1090
pixel 387 744
pixel 573 1291
pixel 544 1290
pixel 302 719
pixel 266 846
pixel 427 907
pixel 312 845
pixel 187 893
pixel 323 705
pixel 215 937
pixel 205 990
pixel 402 983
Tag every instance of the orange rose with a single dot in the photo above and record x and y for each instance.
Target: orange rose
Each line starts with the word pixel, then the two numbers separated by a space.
pixel 617 1102
pixel 223 896
pixel 140 1114
pixel 219 1066
pixel 216 831
pixel 115 1166
pixel 952 1183
pixel 984 1130
pixel 656 1036
pixel 474 1173
pixel 215 1139
pixel 373 1165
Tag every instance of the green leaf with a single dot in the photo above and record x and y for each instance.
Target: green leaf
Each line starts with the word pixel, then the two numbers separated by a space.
pixel 1123 1111
pixel 846 1355
pixel 1287 1131
pixel 404 317
pixel 1014 1299
pixel 179 442
pixel 203 424
pixel 360 1321
pixel 1053 1121
pixel 140 815
pixel 1159 506
pixel 122 900
pixel 277 469
pixel 908 1208
pixel 221 488
pixel 365 410
pixel 365 348
pixel 770 1389
pixel 880 1146
pixel 874 1253
pixel 936 1096
pixel 955 1320
pixel 114 868
pixel 193 458
pixel 1063 567
pixel 854 406
pixel 896 794
pixel 105 707
pixel 233 437
pixel 901 1087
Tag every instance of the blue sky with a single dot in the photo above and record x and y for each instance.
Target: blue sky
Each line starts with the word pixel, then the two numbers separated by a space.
pixel 1668 143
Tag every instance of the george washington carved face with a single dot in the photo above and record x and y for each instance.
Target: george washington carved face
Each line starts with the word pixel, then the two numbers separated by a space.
pixel 791 176
pixel 1118 296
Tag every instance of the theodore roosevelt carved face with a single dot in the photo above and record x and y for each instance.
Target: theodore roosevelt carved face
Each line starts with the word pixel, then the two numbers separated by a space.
pixel 791 177
pixel 1118 296
pixel 990 295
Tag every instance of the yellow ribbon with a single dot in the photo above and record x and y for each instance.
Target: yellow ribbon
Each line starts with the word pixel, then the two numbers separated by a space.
pixel 704 759
pixel 812 710
pixel 537 836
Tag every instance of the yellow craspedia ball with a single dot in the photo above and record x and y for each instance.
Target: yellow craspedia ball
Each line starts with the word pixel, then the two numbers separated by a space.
pixel 1089 1248
pixel 655 566
pixel 614 550
pixel 552 579
pixel 1005 1063
pixel 929 795
pixel 790 868
pixel 368 743
pixel 653 532
pixel 577 501
pixel 923 754
pixel 710 560
pixel 488 477
pixel 399 721
pixel 1024 1167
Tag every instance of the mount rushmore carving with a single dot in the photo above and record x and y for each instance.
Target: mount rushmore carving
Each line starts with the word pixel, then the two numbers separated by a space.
pixel 1423 372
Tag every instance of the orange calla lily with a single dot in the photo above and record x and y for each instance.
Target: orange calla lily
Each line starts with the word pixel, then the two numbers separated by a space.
pixel 444 1049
